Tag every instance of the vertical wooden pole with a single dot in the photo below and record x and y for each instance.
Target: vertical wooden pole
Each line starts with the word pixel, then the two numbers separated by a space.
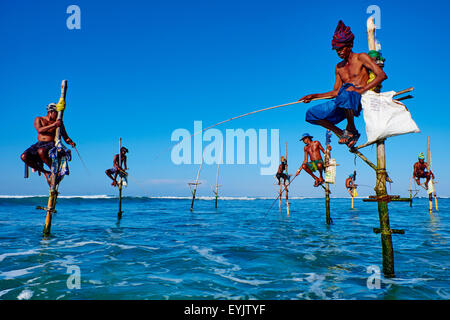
pixel 287 191
pixel 119 214
pixel 430 163
pixel 410 192
pixel 327 185
pixel 217 184
pixel 279 196
pixel 380 188
pixel 53 184
pixel 383 213
pixel 195 186
pixel 430 195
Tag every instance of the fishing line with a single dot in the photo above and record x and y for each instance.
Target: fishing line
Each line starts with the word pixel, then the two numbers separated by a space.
pixel 281 193
pixel 81 159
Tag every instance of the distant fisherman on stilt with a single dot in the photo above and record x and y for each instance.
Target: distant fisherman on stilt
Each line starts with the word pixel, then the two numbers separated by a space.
pixel 38 154
pixel 281 171
pixel 312 150
pixel 350 184
pixel 420 168
pixel 352 76
pixel 118 169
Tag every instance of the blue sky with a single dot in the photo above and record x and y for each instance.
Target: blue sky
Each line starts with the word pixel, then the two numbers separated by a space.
pixel 141 69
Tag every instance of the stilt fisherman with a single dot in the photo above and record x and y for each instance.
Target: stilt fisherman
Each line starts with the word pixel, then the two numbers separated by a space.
pixel 352 75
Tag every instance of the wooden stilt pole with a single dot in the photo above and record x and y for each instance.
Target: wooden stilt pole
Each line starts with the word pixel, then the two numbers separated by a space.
pixel 53 182
pixel 410 192
pixel 383 213
pixel 119 214
pixel 380 189
pixel 327 185
pixel 287 191
pixel 217 185
pixel 195 184
pixel 430 163
pixel 279 197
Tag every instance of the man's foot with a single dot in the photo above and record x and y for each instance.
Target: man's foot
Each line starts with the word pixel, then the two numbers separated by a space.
pixel 344 137
pixel 318 182
pixel 349 138
pixel 114 183
pixel 353 139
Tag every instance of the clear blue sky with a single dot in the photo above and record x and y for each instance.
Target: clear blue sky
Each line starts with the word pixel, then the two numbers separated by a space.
pixel 141 69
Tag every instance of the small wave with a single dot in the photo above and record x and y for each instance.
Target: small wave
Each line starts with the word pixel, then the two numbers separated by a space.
pixel 12 254
pixel 166 279
pixel 253 282
pixel 25 295
pixel 17 273
pixel 206 253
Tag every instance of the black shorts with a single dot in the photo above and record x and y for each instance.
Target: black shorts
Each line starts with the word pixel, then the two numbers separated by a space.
pixel 281 175
pixel 423 175
pixel 46 145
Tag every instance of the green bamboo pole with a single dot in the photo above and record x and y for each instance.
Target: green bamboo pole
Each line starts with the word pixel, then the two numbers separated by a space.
pixel 383 213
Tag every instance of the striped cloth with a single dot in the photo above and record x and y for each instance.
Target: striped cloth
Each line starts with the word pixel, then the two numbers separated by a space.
pixel 342 36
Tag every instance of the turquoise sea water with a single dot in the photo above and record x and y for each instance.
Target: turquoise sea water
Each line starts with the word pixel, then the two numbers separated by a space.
pixel 161 250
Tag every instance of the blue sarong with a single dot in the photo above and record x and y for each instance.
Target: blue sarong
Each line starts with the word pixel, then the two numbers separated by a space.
pixel 333 110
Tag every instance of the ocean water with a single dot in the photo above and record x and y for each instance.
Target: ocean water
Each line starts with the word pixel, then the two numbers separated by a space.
pixel 161 250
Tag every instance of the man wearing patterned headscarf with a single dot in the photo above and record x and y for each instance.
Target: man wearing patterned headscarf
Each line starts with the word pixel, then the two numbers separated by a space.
pixel 352 75
pixel 38 154
pixel 420 168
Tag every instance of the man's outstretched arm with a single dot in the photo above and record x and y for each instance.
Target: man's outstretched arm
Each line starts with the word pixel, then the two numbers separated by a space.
pixel 66 137
pixel 330 94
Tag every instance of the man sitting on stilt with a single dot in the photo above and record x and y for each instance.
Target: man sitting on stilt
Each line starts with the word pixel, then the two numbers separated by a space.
pixel 420 168
pixel 312 150
pixel 350 184
pixel 352 75
pixel 281 169
pixel 117 169
pixel 38 154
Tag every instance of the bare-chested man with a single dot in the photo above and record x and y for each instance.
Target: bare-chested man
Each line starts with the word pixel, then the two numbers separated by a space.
pixel 352 76
pixel 350 183
pixel 312 150
pixel 36 155
pixel 281 169
pixel 420 168
pixel 117 169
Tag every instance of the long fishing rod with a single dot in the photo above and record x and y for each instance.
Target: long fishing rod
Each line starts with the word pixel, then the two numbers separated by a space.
pixel 247 114
pixel 81 159
pixel 281 193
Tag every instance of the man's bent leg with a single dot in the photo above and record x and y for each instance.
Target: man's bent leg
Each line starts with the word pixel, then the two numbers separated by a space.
pixel 43 155
pixel 350 120
pixel 308 170
pixel 330 126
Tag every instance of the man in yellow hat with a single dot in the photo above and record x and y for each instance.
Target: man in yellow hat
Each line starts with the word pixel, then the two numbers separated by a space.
pixel 281 169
